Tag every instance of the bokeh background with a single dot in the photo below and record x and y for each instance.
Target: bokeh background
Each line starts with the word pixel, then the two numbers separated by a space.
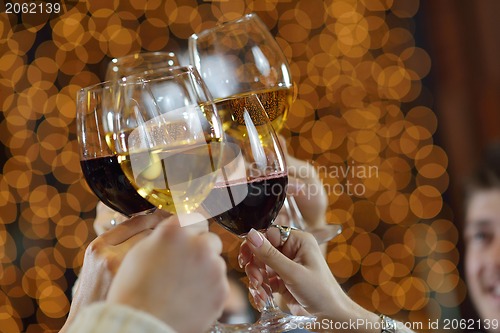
pixel 409 87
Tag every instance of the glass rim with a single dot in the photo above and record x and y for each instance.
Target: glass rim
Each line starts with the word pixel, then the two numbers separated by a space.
pixel 95 87
pixel 165 73
pixel 223 25
pixel 182 70
pixel 144 54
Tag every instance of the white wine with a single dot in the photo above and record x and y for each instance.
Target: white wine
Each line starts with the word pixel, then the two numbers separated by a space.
pixel 171 159
pixel 276 102
pixel 175 179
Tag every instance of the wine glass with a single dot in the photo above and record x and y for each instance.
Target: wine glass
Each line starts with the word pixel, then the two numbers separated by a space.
pixel 169 139
pixel 98 158
pixel 117 69
pixel 139 62
pixel 250 190
pixel 239 58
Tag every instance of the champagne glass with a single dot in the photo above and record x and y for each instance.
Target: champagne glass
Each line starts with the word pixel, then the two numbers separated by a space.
pixel 239 58
pixel 98 158
pixel 250 190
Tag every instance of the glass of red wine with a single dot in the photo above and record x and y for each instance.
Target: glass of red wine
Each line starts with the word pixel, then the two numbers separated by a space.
pixel 95 117
pixel 250 189
pixel 241 57
pixel 99 160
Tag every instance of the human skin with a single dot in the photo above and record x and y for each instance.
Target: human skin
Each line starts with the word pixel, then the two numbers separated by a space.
pixel 175 276
pixel 301 275
pixel 482 258
pixel 102 259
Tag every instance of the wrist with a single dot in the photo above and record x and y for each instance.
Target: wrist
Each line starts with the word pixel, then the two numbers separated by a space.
pixel 370 322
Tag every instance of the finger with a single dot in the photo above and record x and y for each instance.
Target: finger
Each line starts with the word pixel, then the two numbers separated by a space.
pixel 170 227
pixel 209 241
pixel 258 298
pixel 259 264
pixel 197 228
pixel 297 241
pixel 104 216
pixel 299 168
pixel 168 236
pixel 163 214
pixel 245 254
pixel 270 272
pixel 268 254
pixel 123 248
pixel 296 186
pixel 283 217
pixel 129 243
pixel 254 274
pixel 277 285
pixel 130 227
pixel 273 235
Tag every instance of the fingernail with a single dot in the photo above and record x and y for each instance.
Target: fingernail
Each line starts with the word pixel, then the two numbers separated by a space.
pixel 240 261
pixel 255 238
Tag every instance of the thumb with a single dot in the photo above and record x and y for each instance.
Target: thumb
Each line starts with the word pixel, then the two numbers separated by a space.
pixel 269 255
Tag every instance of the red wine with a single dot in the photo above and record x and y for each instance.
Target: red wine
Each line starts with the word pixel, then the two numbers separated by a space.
pixel 239 207
pixel 106 178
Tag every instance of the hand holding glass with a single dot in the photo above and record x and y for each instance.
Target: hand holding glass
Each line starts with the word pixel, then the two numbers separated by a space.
pixel 250 189
pixel 240 58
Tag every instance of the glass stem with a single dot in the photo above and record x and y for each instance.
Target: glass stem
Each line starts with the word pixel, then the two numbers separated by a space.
pixel 294 215
pixel 269 303
pixel 214 328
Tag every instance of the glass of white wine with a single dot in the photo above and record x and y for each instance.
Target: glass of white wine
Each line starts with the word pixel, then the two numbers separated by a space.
pixel 168 138
pixel 240 58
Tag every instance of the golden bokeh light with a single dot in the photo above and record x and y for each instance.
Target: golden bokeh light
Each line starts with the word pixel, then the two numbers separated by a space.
pixel 358 76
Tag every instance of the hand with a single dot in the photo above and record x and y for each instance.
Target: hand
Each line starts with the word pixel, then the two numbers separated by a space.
pixel 103 217
pixel 300 274
pixel 103 257
pixel 178 278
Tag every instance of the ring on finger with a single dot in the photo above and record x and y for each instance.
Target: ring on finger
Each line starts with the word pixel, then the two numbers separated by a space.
pixel 284 232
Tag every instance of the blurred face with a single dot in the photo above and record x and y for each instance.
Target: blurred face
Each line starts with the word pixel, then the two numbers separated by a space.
pixel 482 261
